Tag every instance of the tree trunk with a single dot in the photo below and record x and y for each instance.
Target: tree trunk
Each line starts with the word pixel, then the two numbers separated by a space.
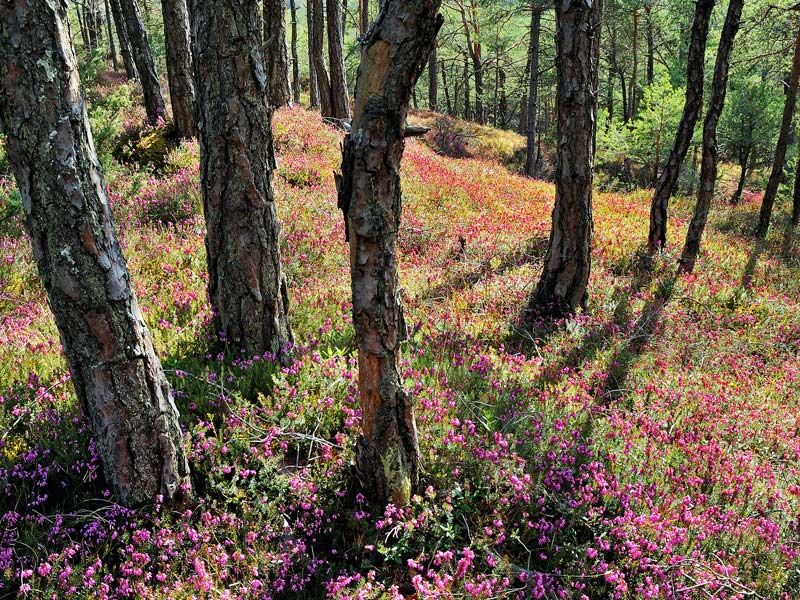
pixel 91 18
pixel 796 198
pixel 339 102
pixel 112 50
pixel 780 149
pixel 446 89
pixel 648 11
pixel 246 283
pixel 467 91
pixel 399 43
pixel 109 351
pixel 472 34
pixel 276 60
pixel 562 287
pixel 433 81
pixel 610 76
pixel 317 40
pixel 82 25
pixel 363 17
pixel 533 90
pixel 633 95
pixel 179 65
pixel 743 158
pixel 124 42
pixel 708 168
pixel 312 72
pixel 295 63
pixel 657 237
pixel 145 65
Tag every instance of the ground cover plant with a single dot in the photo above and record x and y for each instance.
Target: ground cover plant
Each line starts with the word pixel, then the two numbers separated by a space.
pixel 646 449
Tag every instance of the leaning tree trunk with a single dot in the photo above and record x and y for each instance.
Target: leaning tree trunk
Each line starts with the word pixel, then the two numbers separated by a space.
pixel 109 351
pixel 433 81
pixel 275 55
pixel 567 264
pixel 145 65
pixel 393 54
pixel 780 148
pixel 317 41
pixel 246 283
pixel 179 65
pixel 657 237
pixel 295 64
pixel 708 168
pixel 339 101
pixel 533 90
pixel 124 41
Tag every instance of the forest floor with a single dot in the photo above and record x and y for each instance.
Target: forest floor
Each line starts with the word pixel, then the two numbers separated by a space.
pixel 646 449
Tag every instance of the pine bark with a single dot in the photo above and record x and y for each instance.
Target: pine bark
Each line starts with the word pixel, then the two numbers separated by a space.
pixel 112 50
pixel 124 41
pixel 633 94
pixel 363 17
pixel 668 181
pixel 276 60
pixel 708 166
pixel 533 90
pixel 295 63
pixel 339 101
pixel 393 54
pixel 565 277
pixel 648 11
pixel 143 57
pixel 780 148
pixel 433 81
pixel 246 283
pixel 312 71
pixel 109 351
pixel 317 42
pixel 179 65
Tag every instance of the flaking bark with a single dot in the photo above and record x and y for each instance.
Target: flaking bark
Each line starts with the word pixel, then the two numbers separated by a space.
pixel 393 55
pixel 143 57
pixel 109 351
pixel 179 65
pixel 276 60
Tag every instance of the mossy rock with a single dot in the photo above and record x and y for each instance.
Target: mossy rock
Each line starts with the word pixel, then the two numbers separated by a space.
pixel 147 147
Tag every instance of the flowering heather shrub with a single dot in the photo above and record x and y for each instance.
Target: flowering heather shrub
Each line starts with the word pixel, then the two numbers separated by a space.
pixel 646 449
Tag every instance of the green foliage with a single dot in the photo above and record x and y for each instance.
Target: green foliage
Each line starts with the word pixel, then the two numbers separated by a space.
pixel 106 116
pixel 147 147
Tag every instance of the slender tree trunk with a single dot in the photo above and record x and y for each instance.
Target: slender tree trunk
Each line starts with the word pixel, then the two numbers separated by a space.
pixel 246 283
pixel 780 149
pixel 796 198
pixel 708 169
pixel 312 46
pixel 565 277
pixel 448 103
pixel 124 42
pixel 363 17
pixel 657 237
pixel 524 84
pixel 295 63
pixel 276 60
pixel 624 90
pixel 533 89
pixel 317 37
pixel 112 50
pixel 502 108
pixel 92 23
pixel 743 158
pixel 109 351
pixel 648 11
pixel 467 91
pixel 433 81
pixel 633 95
pixel 179 65
pixel 82 25
pixel 339 102
pixel 145 65
pixel 387 454
pixel 472 34
pixel 610 77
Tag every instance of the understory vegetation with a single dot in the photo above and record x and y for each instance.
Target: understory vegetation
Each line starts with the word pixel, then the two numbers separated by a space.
pixel 648 448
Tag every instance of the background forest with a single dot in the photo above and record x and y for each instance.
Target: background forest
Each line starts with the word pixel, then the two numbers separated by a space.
pixel 638 439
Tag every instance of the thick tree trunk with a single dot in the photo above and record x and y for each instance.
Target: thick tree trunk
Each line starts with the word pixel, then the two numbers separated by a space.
pixel 246 283
pixel 657 237
pixel 112 50
pixel 533 90
pixel 780 148
pixel 124 42
pixel 562 287
pixel 708 168
pixel 339 102
pixel 179 65
pixel 312 71
pixel 276 60
pixel 317 41
pixel 399 43
pixel 110 354
pixel 145 65
pixel 433 81
pixel 295 63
